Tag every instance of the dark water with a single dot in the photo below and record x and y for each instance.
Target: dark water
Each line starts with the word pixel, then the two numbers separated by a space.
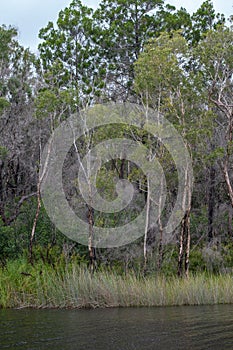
pixel 208 327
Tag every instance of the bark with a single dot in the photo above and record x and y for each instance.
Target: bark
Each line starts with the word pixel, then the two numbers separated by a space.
pixel 185 237
pixel 160 253
pixel 122 169
pixel 181 251
pixel 211 202
pixel 188 241
pixel 227 180
pixel 184 246
pixel 35 222
pixel 230 218
pixel 91 249
pixel 40 180
pixel 146 225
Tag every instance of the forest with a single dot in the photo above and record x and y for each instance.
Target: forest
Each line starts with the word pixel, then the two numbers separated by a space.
pixel 125 53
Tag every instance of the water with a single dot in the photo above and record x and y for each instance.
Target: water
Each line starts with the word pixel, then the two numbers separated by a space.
pixel 199 327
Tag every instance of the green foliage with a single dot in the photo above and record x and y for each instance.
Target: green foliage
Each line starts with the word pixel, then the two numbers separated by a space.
pixel 217 154
pixel 3 152
pixel 16 69
pixel 203 20
pixel 159 66
pixel 68 55
pixel 42 286
pixel 8 243
pixel 177 63
pixel 198 263
pixel 3 104
pixel 227 252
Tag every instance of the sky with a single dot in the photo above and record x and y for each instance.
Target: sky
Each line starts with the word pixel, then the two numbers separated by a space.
pixel 29 16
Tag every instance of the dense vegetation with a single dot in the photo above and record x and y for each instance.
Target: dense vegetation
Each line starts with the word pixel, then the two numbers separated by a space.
pixel 142 52
pixel 75 287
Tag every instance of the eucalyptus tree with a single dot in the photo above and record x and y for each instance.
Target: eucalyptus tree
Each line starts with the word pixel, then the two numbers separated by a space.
pixel 124 27
pixel 164 84
pixel 76 57
pixel 88 56
pixel 214 59
pixel 17 139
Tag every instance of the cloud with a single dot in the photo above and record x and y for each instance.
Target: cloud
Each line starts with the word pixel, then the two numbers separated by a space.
pixel 29 16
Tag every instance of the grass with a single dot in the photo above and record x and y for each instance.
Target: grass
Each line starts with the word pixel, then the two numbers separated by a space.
pixel 42 286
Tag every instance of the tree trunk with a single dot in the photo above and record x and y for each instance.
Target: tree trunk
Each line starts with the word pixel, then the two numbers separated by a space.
pixel 230 218
pixel 160 250
pixel 227 180
pixel 185 238
pixel 40 180
pixel 211 200
pixel 184 246
pixel 122 169
pixel 181 251
pixel 146 225
pixel 35 222
pixel 91 249
pixel 188 241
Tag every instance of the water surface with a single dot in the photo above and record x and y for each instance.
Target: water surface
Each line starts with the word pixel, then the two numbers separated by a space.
pixel 198 327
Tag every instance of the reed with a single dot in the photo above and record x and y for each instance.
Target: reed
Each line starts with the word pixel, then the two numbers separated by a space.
pixel 42 286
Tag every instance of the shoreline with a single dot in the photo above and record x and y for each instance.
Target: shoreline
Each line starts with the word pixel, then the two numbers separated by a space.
pixel 74 287
pixel 32 307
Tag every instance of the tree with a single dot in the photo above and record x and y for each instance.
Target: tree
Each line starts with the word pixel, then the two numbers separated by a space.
pixel 124 27
pixel 16 125
pixel 68 52
pixel 214 56
pixel 163 83
pixel 203 20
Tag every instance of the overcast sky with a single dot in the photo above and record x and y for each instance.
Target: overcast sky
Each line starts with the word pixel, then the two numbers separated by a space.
pixel 29 16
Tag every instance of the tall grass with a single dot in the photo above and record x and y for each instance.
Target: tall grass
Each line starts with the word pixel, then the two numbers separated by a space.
pixel 74 287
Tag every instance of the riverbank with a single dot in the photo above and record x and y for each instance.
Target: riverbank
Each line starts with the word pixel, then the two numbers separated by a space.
pixel 43 286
